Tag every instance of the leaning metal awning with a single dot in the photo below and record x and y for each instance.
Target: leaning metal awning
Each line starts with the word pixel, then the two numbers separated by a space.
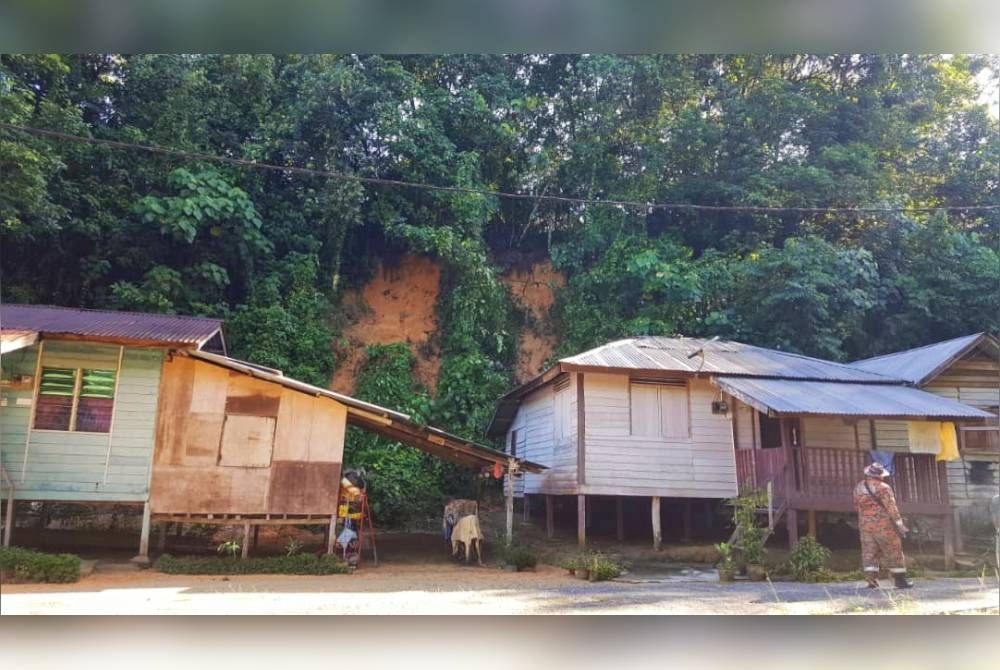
pixel 795 398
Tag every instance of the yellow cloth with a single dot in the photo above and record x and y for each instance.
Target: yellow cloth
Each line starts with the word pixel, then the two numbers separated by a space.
pixel 924 437
pixel 949 442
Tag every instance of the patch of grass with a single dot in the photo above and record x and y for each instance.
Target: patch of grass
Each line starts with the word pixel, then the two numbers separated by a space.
pixel 520 557
pixel 603 568
pixel 296 564
pixel 24 565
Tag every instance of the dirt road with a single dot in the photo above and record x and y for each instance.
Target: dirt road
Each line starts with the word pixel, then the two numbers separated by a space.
pixel 450 589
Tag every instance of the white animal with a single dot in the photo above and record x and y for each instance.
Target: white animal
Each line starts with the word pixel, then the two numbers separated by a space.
pixel 468 534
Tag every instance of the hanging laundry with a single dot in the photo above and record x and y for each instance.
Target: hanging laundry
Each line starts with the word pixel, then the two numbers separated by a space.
pixel 949 442
pixel 885 459
pixel 924 437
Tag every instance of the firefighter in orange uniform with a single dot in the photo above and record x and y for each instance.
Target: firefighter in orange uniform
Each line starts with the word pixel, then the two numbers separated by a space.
pixel 881 528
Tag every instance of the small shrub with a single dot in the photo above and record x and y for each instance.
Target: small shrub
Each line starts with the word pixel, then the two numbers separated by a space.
pixel 232 547
pixel 807 559
pixel 297 564
pixel 571 562
pixel 751 546
pixel 726 561
pixel 23 565
pixel 293 547
pixel 520 557
pixel 603 568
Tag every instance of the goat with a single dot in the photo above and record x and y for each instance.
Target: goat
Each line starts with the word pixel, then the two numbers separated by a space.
pixel 467 533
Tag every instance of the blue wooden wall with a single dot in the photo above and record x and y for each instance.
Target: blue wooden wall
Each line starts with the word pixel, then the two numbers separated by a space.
pixel 70 466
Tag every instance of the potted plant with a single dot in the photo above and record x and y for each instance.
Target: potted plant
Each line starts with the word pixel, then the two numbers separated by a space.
pixel 753 553
pixel 727 566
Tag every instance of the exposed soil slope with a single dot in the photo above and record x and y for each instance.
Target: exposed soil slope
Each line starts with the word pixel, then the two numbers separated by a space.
pixel 534 290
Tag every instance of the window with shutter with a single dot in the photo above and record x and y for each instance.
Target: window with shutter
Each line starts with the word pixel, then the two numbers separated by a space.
pixel 674 411
pixel 645 411
pixel 659 409
pixel 75 400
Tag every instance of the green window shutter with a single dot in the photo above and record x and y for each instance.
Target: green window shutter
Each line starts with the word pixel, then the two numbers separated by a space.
pixel 57 381
pixel 98 384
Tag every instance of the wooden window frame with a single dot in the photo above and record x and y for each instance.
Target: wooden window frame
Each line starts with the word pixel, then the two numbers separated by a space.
pixel 660 384
pixel 74 410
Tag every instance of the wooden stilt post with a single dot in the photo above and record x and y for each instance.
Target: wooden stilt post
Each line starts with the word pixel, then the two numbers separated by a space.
pixel 511 468
pixel 549 517
pixel 525 510
pixel 687 521
pixel 9 523
pixel 811 521
pixel 959 545
pixel 246 539
pixel 792 524
pixel 331 534
pixel 144 534
pixel 161 539
pixel 620 517
pixel 949 542
pixel 581 520
pixel 256 535
pixel 655 512
pixel 589 511
pixel 178 527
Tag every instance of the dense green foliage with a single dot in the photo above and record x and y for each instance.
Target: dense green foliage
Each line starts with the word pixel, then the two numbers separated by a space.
pixel 296 564
pixel 272 251
pixel 808 559
pixel 24 565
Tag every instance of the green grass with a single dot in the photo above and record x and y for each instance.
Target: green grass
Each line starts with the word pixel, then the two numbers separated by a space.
pixel 24 565
pixel 298 564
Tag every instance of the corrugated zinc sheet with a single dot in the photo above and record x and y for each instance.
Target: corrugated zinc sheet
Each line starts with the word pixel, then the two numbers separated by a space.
pixel 667 354
pixel 914 365
pixel 165 328
pixel 845 399
pixel 12 340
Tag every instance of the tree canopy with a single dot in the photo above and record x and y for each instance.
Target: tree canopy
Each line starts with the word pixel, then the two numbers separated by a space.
pixel 93 225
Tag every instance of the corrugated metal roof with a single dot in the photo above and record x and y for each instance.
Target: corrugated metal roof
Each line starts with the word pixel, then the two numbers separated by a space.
pixel 845 399
pixel 673 354
pixel 376 418
pixel 12 340
pixel 916 365
pixel 100 324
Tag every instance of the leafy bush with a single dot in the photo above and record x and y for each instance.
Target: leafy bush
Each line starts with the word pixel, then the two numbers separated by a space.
pixel 520 557
pixel 807 559
pixel 603 568
pixel 24 565
pixel 726 561
pixel 296 564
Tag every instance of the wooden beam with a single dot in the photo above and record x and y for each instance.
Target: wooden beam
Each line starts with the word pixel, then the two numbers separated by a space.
pixel 581 440
pixel 687 521
pixel 792 524
pixel 655 513
pixel 525 508
pixel 957 521
pixel 581 520
pixel 620 517
pixel 246 539
pixel 811 522
pixel 949 542
pixel 114 411
pixel 331 537
pixel 161 539
pixel 549 517
pixel 510 505
pixel 144 533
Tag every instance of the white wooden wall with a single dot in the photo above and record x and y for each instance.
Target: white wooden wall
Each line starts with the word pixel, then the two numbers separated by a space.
pixel 701 464
pixel 835 432
pixel 546 434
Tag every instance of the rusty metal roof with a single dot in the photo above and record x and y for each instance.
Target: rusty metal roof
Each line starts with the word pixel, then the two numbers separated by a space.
pixel 922 363
pixel 674 354
pixel 789 397
pixel 109 326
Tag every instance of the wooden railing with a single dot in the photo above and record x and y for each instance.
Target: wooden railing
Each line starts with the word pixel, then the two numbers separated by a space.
pixel 764 470
pixel 829 475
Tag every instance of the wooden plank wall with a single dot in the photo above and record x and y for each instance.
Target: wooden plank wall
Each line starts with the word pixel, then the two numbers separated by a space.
pixel 536 425
pixel 700 465
pixel 282 454
pixel 836 433
pixel 71 466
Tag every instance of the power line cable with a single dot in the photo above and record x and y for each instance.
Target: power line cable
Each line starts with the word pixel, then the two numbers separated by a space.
pixel 313 172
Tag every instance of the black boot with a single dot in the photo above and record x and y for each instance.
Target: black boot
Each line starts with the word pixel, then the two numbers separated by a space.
pixel 872 579
pixel 900 580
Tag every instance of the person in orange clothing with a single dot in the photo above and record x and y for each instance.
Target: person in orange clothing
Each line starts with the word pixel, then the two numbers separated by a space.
pixel 881 528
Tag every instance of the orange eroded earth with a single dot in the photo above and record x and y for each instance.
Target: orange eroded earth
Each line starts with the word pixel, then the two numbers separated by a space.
pixel 534 290
pixel 397 305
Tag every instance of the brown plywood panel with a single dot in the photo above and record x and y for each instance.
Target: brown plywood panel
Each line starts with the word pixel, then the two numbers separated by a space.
pixel 303 488
pixel 202 435
pixel 329 423
pixel 211 384
pixel 214 490
pixel 291 441
pixel 175 401
pixel 247 395
pixel 247 441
